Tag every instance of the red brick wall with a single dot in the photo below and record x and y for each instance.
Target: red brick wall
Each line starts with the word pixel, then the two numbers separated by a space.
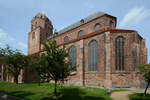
pixel 34 44
pixel 129 77
pixel 106 74
pixel 104 22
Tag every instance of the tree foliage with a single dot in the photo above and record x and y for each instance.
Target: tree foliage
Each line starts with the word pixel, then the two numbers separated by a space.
pixel 55 62
pixel 145 71
pixel 37 67
pixel 14 61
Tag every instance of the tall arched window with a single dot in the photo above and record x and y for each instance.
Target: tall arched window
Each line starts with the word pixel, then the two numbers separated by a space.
pixel 97 27
pixel 66 38
pixel 72 56
pixel 80 33
pixel 119 52
pixel 93 56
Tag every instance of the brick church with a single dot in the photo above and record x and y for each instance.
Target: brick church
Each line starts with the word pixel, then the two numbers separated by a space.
pixel 104 55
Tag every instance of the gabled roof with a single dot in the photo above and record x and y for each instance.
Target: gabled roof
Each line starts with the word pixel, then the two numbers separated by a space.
pixel 77 24
pixel 82 21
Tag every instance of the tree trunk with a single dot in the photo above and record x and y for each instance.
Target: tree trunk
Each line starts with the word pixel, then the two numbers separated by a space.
pixel 146 88
pixel 16 79
pixel 55 88
pixel 39 81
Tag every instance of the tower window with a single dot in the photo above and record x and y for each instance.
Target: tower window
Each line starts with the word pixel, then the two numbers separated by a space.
pixel 31 27
pixel 119 53
pixel 111 24
pixel 66 38
pixel 97 27
pixel 93 56
pixel 48 28
pixel 80 33
pixel 33 35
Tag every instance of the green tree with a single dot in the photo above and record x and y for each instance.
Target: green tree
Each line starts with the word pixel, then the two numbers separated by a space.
pixel 55 62
pixel 37 67
pixel 14 61
pixel 145 71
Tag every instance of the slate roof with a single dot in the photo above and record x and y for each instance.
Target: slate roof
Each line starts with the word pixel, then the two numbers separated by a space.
pixel 82 21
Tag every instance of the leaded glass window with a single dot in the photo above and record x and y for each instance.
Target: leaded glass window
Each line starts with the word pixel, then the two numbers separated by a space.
pixel 93 56
pixel 72 55
pixel 119 46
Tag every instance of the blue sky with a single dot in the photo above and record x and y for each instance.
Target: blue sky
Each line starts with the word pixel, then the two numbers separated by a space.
pixel 16 15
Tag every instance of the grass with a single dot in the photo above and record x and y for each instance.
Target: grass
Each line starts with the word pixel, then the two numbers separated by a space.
pixel 139 96
pixel 32 91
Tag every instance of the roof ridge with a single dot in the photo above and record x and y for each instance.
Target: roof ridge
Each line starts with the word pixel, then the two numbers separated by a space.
pixel 86 19
pixel 80 22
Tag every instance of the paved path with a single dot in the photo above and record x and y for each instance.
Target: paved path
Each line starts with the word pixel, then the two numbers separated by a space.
pixel 6 97
pixel 121 95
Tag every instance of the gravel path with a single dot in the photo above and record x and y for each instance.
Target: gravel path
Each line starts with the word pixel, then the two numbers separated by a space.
pixel 121 95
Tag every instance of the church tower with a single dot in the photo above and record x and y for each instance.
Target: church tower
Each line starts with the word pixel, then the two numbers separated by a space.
pixel 41 28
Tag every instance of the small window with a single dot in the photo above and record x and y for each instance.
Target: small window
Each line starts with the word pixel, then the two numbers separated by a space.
pixel 31 27
pixel 82 20
pixel 97 27
pixel 48 28
pixel 66 38
pixel 111 24
pixel 33 35
pixel 80 33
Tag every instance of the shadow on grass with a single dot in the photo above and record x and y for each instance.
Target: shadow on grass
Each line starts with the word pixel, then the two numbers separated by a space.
pixel 139 96
pixel 20 94
pixel 73 94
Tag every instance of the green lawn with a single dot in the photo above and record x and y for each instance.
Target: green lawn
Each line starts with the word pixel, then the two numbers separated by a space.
pixel 45 92
pixel 139 96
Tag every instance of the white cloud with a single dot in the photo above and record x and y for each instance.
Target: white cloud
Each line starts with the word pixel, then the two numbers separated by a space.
pixel 135 16
pixel 6 39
